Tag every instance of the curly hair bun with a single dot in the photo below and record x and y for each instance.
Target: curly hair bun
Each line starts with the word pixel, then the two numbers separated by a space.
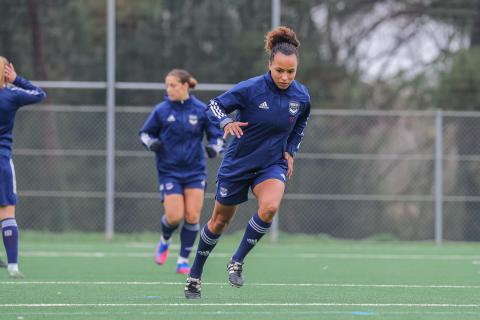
pixel 279 35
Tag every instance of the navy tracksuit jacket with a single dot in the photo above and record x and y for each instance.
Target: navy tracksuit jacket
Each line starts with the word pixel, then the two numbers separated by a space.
pixel 11 99
pixel 180 127
pixel 276 120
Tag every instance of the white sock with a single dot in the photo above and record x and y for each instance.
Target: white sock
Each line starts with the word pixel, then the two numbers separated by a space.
pixel 12 267
pixel 163 241
pixel 182 260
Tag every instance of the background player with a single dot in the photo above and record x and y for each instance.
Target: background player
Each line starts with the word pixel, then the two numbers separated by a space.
pixel 174 131
pixel 11 99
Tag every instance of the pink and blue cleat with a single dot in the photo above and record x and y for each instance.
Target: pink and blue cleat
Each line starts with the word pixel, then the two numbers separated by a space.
pixel 183 268
pixel 161 252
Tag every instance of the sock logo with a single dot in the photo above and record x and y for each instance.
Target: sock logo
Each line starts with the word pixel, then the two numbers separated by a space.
pixel 204 253
pixel 252 241
pixel 7 233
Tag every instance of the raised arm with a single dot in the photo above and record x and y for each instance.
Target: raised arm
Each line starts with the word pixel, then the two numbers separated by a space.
pixel 24 92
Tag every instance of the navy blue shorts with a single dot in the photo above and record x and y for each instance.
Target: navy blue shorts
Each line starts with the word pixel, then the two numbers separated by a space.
pixel 235 191
pixel 8 184
pixel 173 186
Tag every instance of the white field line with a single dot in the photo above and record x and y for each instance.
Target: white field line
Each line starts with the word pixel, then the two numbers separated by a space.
pixel 243 313
pixel 157 283
pixel 195 305
pixel 90 254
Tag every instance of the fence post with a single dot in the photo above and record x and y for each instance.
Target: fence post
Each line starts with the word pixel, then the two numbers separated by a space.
pixel 438 177
pixel 276 15
pixel 110 156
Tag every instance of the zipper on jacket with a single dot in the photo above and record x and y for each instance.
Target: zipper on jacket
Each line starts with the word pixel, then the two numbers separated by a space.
pixel 183 111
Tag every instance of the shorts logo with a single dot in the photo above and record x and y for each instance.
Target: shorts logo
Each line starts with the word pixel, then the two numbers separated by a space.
pixel 169 186
pixel 162 187
pixel 193 119
pixel 293 107
pixel 223 191
pixel 203 183
pixel 283 176
pixel 171 118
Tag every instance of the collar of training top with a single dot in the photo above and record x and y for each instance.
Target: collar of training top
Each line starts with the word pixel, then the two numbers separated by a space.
pixel 179 103
pixel 273 86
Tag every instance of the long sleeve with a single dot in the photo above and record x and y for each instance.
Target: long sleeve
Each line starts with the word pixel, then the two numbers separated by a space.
pixel 296 136
pixel 221 106
pixel 151 129
pixel 152 125
pixel 214 133
pixel 25 93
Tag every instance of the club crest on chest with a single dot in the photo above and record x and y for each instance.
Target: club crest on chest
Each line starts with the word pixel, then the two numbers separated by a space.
pixel 293 107
pixel 193 119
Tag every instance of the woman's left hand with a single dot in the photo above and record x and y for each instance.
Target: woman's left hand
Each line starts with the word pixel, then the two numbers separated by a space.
pixel 289 159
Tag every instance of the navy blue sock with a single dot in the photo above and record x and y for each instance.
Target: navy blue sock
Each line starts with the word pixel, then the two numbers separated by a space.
pixel 206 243
pixel 10 239
pixel 167 229
pixel 255 230
pixel 187 238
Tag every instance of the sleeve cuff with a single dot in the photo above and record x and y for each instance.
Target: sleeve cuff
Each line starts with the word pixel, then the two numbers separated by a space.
pixel 18 81
pixel 224 122
pixel 292 151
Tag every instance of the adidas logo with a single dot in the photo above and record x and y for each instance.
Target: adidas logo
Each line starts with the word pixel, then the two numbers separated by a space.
pixel 252 241
pixel 171 118
pixel 263 105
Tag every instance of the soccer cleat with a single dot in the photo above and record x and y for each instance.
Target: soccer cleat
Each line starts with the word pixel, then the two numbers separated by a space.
pixel 2 264
pixel 235 276
pixel 15 274
pixel 161 252
pixel 183 268
pixel 193 288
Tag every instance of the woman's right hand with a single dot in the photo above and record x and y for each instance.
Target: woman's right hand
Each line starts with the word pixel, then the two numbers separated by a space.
pixel 234 128
pixel 10 74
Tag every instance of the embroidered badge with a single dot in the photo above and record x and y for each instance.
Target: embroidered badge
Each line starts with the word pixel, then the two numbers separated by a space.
pixel 293 107
pixel 223 191
pixel 193 119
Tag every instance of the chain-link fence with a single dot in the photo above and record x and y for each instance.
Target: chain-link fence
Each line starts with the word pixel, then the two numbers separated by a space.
pixel 358 174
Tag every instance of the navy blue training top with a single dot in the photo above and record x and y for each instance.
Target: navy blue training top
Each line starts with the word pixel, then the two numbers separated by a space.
pixel 180 127
pixel 276 120
pixel 11 99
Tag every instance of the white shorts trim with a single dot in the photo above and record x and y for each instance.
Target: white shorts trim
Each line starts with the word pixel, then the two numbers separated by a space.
pixel 14 182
